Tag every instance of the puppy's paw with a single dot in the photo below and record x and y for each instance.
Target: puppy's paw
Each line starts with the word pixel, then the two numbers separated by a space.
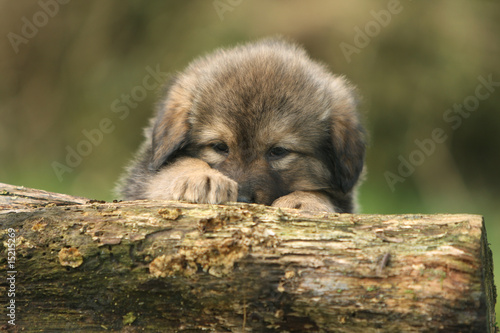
pixel 311 201
pixel 192 180
pixel 209 186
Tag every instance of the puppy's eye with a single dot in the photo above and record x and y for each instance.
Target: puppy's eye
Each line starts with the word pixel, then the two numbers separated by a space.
pixel 278 152
pixel 221 148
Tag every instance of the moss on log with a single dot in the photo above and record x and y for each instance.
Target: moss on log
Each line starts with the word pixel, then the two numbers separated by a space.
pixel 180 267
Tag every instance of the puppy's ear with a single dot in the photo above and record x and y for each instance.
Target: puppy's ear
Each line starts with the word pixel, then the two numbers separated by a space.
pixel 171 126
pixel 347 146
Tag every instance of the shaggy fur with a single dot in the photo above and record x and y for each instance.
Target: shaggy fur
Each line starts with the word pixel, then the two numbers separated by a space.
pixel 259 123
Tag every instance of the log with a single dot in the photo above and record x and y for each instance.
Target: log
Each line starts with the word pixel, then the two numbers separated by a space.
pixel 78 265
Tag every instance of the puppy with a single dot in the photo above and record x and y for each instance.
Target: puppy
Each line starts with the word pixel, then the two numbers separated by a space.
pixel 258 123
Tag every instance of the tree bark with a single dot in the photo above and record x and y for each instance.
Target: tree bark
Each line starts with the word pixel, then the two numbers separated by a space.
pixel 74 264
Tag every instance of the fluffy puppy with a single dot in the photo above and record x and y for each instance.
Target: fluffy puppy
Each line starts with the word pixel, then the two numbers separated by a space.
pixel 258 123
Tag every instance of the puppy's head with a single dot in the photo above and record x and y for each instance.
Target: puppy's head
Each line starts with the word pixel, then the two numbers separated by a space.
pixel 266 116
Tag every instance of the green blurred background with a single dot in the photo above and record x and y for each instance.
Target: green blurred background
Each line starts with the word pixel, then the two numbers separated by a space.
pixel 63 65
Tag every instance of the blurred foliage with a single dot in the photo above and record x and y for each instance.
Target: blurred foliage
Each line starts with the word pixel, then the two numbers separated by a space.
pixel 416 64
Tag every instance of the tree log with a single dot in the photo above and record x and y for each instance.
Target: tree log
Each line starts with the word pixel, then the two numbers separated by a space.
pixel 76 265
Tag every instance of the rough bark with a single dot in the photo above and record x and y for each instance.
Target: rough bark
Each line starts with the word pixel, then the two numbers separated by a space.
pixel 179 267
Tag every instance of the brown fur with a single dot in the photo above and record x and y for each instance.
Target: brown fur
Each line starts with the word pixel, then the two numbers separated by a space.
pixel 257 123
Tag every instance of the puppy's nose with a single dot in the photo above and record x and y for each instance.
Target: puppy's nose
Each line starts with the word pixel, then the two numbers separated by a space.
pixel 246 195
pixel 245 198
